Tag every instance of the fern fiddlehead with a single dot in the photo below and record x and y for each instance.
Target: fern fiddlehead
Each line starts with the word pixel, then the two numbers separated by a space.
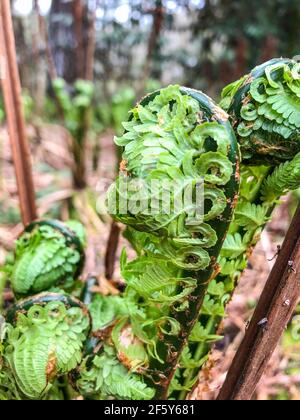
pixel 265 109
pixel 48 253
pixel 176 136
pixel 268 154
pixel 151 341
pixel 44 340
pixel 269 136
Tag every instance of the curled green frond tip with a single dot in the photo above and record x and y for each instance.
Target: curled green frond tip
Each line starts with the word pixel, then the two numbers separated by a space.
pixel 265 107
pixel 107 378
pixel 173 138
pixel 46 341
pixel 48 254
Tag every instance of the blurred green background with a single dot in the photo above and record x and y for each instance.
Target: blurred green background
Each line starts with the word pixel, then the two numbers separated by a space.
pixel 142 44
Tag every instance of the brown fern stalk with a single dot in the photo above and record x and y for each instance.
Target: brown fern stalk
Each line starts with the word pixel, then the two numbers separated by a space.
pixel 273 312
pixel 15 117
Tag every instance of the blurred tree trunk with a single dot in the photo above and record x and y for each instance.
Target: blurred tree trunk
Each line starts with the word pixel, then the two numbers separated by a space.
pixel 91 46
pixel 269 49
pixel 80 31
pixel 62 39
pixel 289 22
pixel 42 58
pixel 70 35
pixel 24 69
pixel 153 44
pixel 44 36
pixel 39 82
pixel 240 57
pixel 225 73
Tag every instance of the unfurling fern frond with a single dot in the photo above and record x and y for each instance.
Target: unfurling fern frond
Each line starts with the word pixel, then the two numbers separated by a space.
pixel 286 177
pixel 250 216
pixel 45 339
pixel 233 246
pixel 8 387
pixel 48 253
pixel 107 377
pixel 266 110
pixel 176 142
pixel 105 309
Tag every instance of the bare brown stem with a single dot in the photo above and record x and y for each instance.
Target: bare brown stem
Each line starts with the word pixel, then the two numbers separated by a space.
pixel 273 312
pixel 11 86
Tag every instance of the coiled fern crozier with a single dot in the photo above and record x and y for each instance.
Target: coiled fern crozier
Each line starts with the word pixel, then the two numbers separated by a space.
pixel 44 339
pixel 264 111
pixel 150 341
pixel 180 136
pixel 48 253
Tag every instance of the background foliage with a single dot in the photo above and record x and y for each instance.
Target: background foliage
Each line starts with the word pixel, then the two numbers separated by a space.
pixel 204 43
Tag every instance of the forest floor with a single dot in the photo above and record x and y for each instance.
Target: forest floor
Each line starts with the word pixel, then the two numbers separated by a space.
pixel 53 182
